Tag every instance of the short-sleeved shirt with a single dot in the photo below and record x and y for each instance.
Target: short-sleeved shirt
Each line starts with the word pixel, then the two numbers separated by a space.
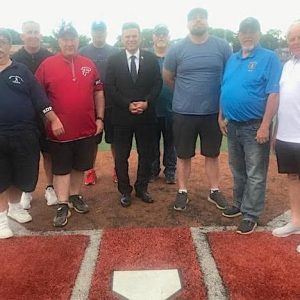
pixel 163 103
pixel 20 96
pixel 198 70
pixel 99 56
pixel 247 84
pixel 70 86
pixel 289 105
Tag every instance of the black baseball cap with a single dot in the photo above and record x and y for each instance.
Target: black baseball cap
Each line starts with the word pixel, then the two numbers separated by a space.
pixel 98 26
pixel 249 24
pixel 67 30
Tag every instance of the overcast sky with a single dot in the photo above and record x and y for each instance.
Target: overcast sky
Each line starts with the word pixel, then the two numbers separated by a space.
pixel 147 13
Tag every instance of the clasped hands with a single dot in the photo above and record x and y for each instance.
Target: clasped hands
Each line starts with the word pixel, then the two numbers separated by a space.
pixel 138 107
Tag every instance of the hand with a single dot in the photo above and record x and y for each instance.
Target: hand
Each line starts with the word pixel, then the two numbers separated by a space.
pixel 57 127
pixel 100 126
pixel 263 134
pixel 138 107
pixel 223 125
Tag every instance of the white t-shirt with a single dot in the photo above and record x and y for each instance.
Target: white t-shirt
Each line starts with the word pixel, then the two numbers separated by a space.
pixel 289 105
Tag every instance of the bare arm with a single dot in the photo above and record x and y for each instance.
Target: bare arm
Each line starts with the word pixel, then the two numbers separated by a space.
pixel 99 106
pixel 263 133
pixel 169 78
pixel 56 125
pixel 222 122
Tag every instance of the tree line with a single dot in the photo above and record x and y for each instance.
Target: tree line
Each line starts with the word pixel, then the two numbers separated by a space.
pixel 272 39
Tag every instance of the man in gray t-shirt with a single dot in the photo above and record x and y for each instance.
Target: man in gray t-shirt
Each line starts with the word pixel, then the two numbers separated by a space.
pixel 194 68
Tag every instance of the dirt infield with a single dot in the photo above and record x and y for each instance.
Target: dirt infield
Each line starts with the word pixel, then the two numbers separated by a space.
pixel 106 212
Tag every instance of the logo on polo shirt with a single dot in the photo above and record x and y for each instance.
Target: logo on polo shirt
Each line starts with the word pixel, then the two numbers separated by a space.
pixel 85 70
pixel 16 79
pixel 252 66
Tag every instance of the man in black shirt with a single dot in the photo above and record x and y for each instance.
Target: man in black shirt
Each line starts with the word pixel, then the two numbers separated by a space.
pixel 32 55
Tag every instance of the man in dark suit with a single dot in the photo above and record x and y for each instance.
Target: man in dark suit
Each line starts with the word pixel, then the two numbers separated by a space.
pixel 133 82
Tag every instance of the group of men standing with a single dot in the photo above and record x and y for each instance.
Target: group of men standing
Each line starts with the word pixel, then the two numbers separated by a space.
pixel 205 91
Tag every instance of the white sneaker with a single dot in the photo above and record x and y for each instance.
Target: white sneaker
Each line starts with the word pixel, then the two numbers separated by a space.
pixel 298 248
pixel 26 198
pixel 50 196
pixel 286 230
pixel 5 231
pixel 18 213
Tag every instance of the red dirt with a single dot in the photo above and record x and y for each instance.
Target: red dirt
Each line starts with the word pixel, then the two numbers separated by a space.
pixel 106 212
pixel 258 266
pixel 148 249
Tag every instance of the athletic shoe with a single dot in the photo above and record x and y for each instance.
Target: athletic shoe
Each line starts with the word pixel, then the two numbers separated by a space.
pixel 286 230
pixel 114 177
pixel 5 231
pixel 298 248
pixel 26 198
pixel 62 215
pixel 217 198
pixel 90 177
pixel 50 196
pixel 170 179
pixel 78 204
pixel 181 201
pixel 246 227
pixel 18 213
pixel 231 212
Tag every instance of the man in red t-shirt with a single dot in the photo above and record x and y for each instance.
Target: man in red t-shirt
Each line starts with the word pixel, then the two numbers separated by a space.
pixel 75 90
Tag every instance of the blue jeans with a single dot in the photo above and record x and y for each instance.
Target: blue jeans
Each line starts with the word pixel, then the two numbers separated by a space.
pixel 164 128
pixel 249 163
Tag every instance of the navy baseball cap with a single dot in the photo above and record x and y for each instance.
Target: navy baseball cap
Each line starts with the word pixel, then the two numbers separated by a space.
pixel 67 31
pixel 197 12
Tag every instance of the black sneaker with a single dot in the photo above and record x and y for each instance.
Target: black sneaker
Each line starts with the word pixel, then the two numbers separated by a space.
pixel 153 178
pixel 170 179
pixel 246 227
pixel 181 201
pixel 62 215
pixel 231 212
pixel 78 204
pixel 218 199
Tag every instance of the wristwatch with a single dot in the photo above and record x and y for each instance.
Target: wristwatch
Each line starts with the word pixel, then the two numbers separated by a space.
pixel 100 118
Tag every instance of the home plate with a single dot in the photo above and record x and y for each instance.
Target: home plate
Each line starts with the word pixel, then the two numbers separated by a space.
pixel 147 284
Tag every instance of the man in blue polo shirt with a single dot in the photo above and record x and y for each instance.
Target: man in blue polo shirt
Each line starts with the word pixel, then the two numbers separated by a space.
pixel 249 100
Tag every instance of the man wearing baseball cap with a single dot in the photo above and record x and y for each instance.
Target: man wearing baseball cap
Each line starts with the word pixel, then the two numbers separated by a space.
pixel 249 100
pixel 163 109
pixel 75 90
pixel 99 52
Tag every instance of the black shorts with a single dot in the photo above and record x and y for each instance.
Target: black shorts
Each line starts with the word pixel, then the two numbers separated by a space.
pixel 19 161
pixel 108 126
pixel 288 157
pixel 75 155
pixel 186 129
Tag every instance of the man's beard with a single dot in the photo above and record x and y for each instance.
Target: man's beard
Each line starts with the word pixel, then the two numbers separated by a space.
pixel 199 31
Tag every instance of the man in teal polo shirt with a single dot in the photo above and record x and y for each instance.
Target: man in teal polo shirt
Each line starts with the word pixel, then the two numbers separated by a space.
pixel 249 100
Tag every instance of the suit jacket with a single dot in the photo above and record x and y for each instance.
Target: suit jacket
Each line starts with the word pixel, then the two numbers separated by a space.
pixel 122 90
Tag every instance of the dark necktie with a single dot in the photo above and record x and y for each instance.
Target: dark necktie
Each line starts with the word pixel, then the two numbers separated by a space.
pixel 133 71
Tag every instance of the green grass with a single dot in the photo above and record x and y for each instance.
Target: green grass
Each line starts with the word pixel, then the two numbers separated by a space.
pixel 106 147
